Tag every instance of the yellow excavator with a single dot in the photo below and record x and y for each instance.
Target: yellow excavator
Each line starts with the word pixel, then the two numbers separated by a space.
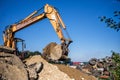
pixel 53 51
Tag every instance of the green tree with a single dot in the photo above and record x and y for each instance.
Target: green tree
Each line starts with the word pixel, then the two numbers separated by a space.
pixel 34 53
pixel 30 53
pixel 116 71
pixel 111 22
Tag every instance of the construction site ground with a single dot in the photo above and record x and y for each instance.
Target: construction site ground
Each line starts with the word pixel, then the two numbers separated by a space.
pixel 36 68
pixel 74 73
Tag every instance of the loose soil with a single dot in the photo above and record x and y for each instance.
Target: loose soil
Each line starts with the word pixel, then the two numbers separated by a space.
pixel 74 73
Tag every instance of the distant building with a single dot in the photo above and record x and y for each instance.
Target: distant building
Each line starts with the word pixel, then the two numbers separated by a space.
pixel 76 63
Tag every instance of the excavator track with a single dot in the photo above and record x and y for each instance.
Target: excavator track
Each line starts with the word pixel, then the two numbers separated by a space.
pixel 6 49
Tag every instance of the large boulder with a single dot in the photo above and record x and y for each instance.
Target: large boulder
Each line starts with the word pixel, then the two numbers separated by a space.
pixel 12 68
pixel 49 71
pixel 52 51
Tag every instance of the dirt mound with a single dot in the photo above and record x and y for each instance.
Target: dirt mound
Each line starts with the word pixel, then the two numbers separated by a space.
pixel 74 73
pixel 49 71
pixel 12 68
pixel 36 68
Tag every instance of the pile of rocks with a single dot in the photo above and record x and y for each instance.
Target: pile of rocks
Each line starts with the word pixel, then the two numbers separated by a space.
pixel 49 71
pixel 100 67
pixel 12 68
pixel 33 68
pixel 36 68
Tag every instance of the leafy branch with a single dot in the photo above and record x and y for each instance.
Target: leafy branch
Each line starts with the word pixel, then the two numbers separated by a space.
pixel 115 24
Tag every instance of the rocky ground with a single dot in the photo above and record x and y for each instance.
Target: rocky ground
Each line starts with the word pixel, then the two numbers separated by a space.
pixel 11 68
pixel 49 71
pixel 36 68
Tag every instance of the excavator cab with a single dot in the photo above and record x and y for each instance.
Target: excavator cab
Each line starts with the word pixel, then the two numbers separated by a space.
pixel 20 53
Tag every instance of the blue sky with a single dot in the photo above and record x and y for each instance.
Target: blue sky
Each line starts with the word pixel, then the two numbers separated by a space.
pixel 91 38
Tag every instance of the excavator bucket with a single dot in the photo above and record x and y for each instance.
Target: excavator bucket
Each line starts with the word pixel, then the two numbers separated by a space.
pixel 53 51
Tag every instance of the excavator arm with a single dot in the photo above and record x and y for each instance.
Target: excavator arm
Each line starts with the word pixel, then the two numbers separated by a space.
pixel 50 13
